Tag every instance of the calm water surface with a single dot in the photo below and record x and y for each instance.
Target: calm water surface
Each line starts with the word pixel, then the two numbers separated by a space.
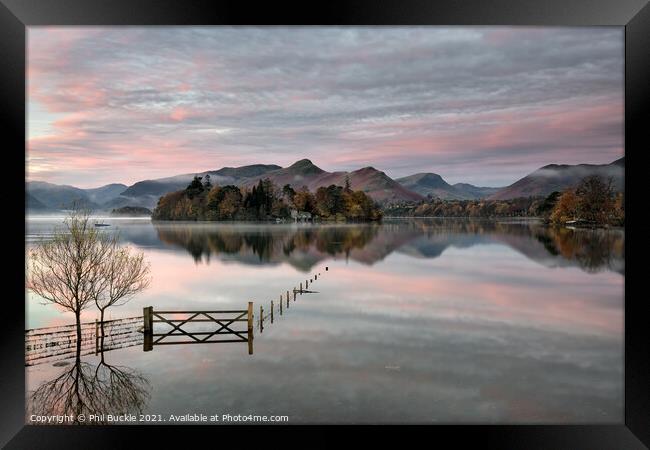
pixel 420 321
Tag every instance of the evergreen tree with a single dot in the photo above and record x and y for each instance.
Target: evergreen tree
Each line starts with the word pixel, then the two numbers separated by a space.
pixel 195 187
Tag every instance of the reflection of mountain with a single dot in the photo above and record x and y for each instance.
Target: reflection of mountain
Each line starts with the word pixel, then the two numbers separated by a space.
pixel 306 245
pixel 84 388
pixel 591 250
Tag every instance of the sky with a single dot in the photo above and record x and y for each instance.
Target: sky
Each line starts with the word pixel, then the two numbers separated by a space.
pixel 482 105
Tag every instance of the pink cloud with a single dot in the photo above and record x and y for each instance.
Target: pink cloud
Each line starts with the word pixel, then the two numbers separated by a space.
pixel 121 96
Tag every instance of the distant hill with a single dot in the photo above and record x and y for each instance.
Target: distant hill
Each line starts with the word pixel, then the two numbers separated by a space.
pixel 55 196
pixel 378 185
pixel 104 194
pixel 373 182
pixel 143 201
pixel 558 177
pixel 382 188
pixel 34 204
pixel 301 173
pixel 146 193
pixel 476 192
pixel 432 184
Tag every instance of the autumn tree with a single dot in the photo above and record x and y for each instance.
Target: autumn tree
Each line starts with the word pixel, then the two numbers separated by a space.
pixel 565 208
pixel 214 198
pixel 595 199
pixel 230 203
pixel 304 200
pixel 288 193
pixel 619 208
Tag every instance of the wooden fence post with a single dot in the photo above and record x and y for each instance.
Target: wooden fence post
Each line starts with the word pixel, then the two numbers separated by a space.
pixel 271 311
pixel 261 318
pixel 280 304
pixel 96 336
pixel 306 284
pixel 326 268
pixel 288 298
pixel 147 312
pixel 301 287
pixel 250 328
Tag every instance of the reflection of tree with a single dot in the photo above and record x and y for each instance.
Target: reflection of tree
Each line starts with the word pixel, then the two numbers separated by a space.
pixel 87 389
pixel 591 250
pixel 261 244
pixel 268 245
pixel 335 240
pixel 71 393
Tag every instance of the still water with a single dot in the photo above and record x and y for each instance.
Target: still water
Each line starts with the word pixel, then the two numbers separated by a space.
pixel 416 321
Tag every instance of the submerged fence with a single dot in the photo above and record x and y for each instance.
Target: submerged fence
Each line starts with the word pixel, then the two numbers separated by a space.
pixel 44 345
pixel 170 327
pixel 279 308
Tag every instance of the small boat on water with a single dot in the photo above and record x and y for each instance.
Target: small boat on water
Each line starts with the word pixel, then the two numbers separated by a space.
pixel 97 224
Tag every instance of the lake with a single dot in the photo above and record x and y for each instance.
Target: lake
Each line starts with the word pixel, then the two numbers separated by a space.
pixel 415 321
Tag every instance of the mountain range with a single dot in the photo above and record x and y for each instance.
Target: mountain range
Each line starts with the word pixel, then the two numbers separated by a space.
pixel 555 177
pixel 432 184
pixel 43 196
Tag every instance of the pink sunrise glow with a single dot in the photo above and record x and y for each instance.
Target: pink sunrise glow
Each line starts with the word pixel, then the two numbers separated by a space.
pixel 484 105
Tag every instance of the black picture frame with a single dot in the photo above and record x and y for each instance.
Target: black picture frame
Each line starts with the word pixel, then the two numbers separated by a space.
pixel 634 15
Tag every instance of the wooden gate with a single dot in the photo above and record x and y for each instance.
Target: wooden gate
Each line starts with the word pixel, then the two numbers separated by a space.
pixel 219 324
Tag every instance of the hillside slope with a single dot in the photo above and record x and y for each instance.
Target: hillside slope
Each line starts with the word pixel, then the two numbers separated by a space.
pixel 556 177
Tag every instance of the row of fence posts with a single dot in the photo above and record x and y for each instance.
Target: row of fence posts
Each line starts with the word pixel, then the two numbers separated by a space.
pixel 148 316
pixel 281 303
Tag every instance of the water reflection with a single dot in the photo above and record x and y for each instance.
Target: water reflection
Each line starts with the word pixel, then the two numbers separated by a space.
pixel 305 246
pixel 84 388
pixel 431 320
pixel 302 247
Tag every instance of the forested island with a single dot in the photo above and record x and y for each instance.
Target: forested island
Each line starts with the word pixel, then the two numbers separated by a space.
pixel 592 202
pixel 265 201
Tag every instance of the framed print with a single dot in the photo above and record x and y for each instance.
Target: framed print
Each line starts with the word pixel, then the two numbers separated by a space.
pixel 406 214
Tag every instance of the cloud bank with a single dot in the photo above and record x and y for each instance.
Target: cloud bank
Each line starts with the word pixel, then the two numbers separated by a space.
pixel 484 105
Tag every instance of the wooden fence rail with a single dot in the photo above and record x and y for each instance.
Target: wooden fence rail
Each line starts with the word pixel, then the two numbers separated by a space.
pixel 44 345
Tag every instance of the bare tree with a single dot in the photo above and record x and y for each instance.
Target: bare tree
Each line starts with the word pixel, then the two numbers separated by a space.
pixel 68 270
pixel 123 275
